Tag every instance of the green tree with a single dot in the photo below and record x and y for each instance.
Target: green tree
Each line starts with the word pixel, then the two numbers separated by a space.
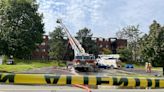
pixel 125 54
pixel 85 37
pixel 85 32
pixel 149 42
pixel 21 27
pixel 106 51
pixel 132 34
pixel 142 47
pixel 57 44
pixel 153 45
pixel 159 48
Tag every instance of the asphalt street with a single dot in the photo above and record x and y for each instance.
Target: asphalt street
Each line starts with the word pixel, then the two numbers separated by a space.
pixel 110 72
pixel 49 88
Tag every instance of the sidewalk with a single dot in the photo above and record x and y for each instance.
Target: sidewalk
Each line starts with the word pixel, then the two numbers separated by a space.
pixel 34 88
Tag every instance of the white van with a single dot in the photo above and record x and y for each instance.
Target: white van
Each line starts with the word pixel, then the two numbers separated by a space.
pixel 111 60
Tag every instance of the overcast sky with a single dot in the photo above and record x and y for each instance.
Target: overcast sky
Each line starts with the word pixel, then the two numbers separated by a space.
pixel 103 17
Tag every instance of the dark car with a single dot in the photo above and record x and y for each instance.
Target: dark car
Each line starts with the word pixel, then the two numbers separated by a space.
pixel 129 66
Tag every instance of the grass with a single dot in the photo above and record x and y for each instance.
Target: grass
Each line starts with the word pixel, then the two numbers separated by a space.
pixel 15 68
pixel 23 65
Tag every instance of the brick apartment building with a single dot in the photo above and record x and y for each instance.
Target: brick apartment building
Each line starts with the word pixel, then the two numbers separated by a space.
pixel 112 44
pixel 42 49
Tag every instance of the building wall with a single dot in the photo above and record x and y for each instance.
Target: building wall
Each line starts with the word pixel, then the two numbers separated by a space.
pixel 109 44
pixel 121 43
pixel 42 49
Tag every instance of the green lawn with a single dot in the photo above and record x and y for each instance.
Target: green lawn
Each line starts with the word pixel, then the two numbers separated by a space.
pixel 22 65
pixel 15 68
pixel 142 66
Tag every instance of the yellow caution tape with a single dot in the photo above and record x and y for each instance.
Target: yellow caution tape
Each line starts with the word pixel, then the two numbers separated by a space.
pixel 79 79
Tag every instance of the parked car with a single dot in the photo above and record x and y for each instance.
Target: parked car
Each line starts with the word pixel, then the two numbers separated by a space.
pixel 129 66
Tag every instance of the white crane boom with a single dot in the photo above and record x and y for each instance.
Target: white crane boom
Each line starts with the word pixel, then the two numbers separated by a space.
pixel 76 46
pixel 82 61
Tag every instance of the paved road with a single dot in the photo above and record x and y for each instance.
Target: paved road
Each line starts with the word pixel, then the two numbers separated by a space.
pixel 38 88
pixel 142 72
pixel 122 72
pixel 46 88
pixel 51 70
pixel 113 90
pixel 109 72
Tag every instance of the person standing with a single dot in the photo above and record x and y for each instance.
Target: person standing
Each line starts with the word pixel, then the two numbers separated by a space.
pixel 146 66
pixel 149 67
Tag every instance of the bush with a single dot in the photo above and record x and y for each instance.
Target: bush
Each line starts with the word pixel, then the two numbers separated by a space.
pixel 61 64
pixel 125 54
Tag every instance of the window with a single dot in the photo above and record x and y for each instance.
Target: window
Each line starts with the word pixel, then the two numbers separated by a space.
pixel 93 38
pixel 100 39
pixel 43 43
pixel 44 50
pixel 42 57
pixel 37 50
pixel 86 57
pixel 44 37
pixel 78 57
pixel 107 46
pixel 36 44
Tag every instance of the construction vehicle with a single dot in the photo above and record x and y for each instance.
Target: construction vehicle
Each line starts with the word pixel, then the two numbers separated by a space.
pixel 82 61
pixel 111 60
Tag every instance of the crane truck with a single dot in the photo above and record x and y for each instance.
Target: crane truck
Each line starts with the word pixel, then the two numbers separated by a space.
pixel 82 61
